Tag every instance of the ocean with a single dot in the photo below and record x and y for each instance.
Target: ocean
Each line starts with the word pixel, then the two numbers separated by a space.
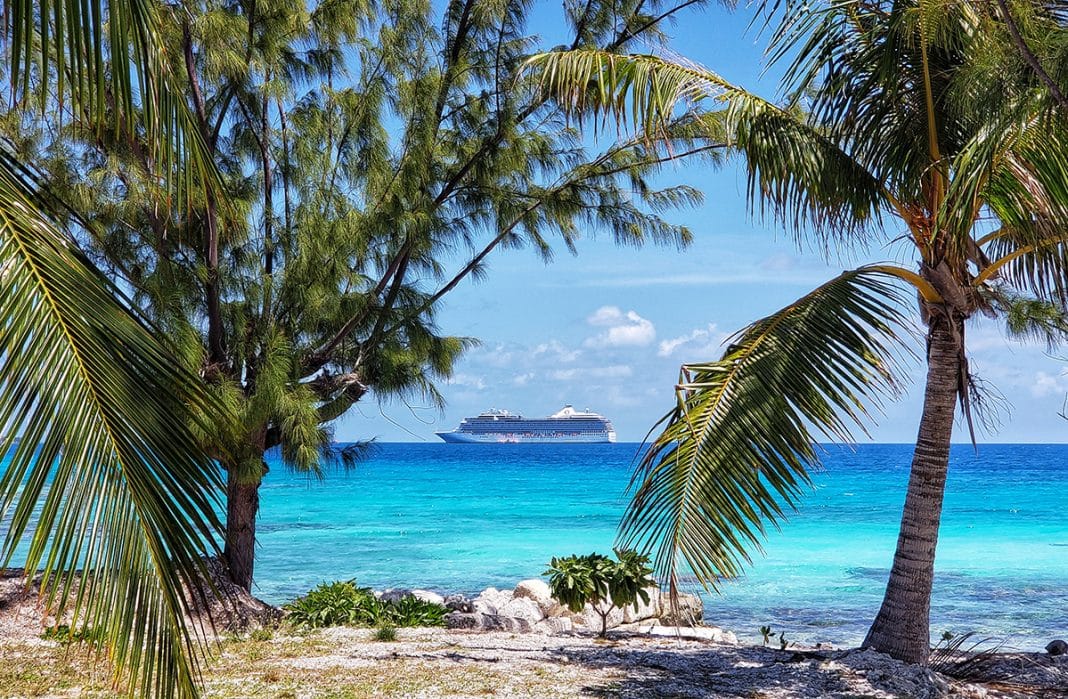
pixel 460 518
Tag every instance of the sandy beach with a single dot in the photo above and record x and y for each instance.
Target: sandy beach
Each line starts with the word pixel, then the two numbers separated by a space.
pixel 347 662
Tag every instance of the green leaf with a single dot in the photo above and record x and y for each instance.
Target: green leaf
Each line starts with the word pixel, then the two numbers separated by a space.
pixel 106 482
pixel 796 173
pixel 737 448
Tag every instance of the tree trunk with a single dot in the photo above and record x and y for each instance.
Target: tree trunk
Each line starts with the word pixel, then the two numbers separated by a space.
pixel 902 627
pixel 242 506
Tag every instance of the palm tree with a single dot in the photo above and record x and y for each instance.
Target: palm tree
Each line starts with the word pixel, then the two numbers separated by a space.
pixel 106 492
pixel 923 124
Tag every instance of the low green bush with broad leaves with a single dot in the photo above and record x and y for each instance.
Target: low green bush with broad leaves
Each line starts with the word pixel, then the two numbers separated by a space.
pixel 343 603
pixel 601 582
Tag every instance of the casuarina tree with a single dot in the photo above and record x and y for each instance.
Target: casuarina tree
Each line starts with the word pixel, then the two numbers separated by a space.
pixel 373 157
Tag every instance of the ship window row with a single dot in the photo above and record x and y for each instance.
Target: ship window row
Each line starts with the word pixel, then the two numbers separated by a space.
pixel 547 428
pixel 551 423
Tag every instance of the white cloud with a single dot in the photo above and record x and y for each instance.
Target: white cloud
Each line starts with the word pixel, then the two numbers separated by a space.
pixel 1045 384
pixel 606 315
pixel 555 350
pixel 621 329
pixel 523 379
pixel 616 371
pixel 704 343
pixel 468 381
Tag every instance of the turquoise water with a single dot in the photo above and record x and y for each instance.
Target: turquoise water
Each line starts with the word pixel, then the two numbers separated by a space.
pixel 461 518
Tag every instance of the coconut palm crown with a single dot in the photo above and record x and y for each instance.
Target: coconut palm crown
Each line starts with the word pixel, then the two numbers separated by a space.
pixel 913 121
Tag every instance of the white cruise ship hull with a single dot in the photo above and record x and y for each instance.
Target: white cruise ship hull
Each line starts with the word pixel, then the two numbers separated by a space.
pixel 456 437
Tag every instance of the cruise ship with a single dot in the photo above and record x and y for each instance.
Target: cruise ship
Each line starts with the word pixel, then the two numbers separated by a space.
pixel 502 427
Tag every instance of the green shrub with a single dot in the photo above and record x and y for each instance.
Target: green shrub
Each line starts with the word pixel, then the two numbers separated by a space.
pixel 386 633
pixel 412 611
pixel 342 603
pixel 598 580
pixel 66 635
pixel 339 603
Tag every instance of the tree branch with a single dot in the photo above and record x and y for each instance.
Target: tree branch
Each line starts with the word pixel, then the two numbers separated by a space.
pixel 626 35
pixel 1029 56
pixel 216 348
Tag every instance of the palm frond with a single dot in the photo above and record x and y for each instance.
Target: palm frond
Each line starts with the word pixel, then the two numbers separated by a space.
pixel 104 63
pixel 795 173
pixel 736 450
pixel 1028 192
pixel 106 494
pixel 975 663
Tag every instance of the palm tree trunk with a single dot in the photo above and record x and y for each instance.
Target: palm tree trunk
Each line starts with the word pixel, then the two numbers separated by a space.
pixel 242 506
pixel 902 627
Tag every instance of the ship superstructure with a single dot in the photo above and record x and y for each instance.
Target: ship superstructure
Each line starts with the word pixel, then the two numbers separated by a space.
pixel 502 427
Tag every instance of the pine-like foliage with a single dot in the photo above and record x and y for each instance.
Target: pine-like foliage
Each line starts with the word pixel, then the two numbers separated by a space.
pixel 373 157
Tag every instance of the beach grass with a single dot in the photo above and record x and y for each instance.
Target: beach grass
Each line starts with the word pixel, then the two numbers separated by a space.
pixel 316 665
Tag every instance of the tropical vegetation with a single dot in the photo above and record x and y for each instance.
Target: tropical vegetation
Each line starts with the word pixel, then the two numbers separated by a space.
pixel 107 494
pixel 224 224
pixel 929 125
pixel 342 603
pixel 371 157
pixel 597 580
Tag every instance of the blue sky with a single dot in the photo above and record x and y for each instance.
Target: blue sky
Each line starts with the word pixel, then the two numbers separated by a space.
pixel 609 328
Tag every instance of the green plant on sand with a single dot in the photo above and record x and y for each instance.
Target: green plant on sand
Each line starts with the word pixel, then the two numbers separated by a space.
pixel 387 633
pixel 342 603
pixel 595 579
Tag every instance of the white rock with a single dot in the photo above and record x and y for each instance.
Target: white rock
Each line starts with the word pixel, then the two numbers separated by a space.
pixel 538 591
pixel 491 599
pixel 644 610
pixel 429 597
pixel 522 608
pixel 554 625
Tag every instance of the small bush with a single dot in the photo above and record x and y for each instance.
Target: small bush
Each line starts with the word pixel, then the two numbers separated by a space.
pixel 598 580
pixel 412 611
pixel 342 603
pixel 339 603
pixel 386 633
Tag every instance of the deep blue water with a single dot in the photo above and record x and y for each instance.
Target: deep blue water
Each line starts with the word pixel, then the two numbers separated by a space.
pixel 464 517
